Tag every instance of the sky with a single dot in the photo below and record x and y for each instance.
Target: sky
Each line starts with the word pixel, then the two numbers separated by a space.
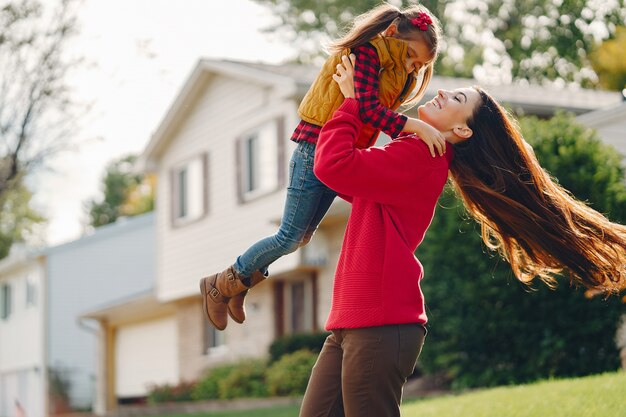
pixel 136 56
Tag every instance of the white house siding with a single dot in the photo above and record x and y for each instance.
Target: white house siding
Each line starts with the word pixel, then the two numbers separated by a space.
pixel 115 262
pixel 225 109
pixel 22 370
pixel 146 354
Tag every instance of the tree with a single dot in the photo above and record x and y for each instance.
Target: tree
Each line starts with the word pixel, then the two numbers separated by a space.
pixel 487 328
pixel 490 39
pixel 609 63
pixel 17 219
pixel 36 109
pixel 126 193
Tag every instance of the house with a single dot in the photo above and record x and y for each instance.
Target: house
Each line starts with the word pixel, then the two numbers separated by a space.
pixel 610 123
pixel 47 355
pixel 23 375
pixel 221 154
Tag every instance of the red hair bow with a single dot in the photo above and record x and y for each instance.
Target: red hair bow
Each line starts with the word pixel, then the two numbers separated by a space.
pixel 422 21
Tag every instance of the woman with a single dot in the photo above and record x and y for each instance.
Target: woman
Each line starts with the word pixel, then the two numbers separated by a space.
pixel 377 315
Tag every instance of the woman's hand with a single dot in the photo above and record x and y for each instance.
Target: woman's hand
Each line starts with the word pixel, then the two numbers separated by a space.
pixel 345 76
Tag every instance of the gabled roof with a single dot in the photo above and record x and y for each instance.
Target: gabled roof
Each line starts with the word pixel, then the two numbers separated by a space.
pixel 293 80
pixel 603 117
pixel 283 79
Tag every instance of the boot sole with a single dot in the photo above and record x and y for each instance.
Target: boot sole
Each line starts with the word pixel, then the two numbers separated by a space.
pixel 204 291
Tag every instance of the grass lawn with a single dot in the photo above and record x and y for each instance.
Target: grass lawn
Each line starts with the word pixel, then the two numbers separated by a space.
pixel 594 396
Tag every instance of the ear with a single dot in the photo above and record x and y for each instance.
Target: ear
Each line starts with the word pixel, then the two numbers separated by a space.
pixel 462 132
pixel 391 31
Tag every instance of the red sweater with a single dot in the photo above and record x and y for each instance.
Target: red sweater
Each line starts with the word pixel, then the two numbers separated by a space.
pixel 393 190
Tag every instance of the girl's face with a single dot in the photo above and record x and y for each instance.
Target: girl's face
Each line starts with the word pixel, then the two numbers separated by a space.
pixel 449 112
pixel 418 56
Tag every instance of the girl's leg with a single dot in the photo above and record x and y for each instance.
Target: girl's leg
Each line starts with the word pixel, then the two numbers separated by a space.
pixel 323 393
pixel 376 363
pixel 306 198
pixel 327 199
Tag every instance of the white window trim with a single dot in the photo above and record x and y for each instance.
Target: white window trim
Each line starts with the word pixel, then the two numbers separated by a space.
pixel 203 187
pixel 275 167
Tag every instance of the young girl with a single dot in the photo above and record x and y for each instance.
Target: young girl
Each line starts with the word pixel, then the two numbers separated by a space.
pixel 393 47
pixel 377 314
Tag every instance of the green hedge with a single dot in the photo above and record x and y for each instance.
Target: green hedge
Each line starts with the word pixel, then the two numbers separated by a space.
pixel 247 379
pixel 290 374
pixel 294 342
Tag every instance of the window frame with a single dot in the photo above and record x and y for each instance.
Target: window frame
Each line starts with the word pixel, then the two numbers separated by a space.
pixel 6 301
pixel 175 190
pixel 283 304
pixel 246 196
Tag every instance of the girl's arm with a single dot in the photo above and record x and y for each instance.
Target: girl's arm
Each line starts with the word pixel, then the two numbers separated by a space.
pixel 372 112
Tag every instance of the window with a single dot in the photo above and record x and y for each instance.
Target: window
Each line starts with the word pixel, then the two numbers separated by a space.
pixel 5 301
pixel 212 337
pixel 31 293
pixel 189 190
pixel 259 160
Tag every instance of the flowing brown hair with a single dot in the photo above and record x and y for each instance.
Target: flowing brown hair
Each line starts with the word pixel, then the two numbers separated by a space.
pixel 366 26
pixel 534 223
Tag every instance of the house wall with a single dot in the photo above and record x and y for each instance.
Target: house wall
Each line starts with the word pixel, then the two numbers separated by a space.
pixel 225 109
pixel 22 370
pixel 251 339
pixel 115 262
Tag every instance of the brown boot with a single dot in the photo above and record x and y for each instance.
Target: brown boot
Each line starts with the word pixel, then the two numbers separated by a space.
pixel 236 309
pixel 216 291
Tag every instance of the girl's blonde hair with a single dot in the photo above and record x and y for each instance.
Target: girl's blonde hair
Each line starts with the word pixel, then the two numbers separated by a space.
pixel 366 26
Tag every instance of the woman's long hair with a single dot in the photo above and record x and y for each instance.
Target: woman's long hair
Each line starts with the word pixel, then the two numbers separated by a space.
pixel 535 224
pixel 368 25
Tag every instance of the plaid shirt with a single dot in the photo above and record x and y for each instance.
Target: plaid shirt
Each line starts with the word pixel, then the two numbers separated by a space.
pixel 372 112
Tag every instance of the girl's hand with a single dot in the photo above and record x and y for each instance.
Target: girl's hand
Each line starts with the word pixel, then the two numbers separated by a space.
pixel 431 136
pixel 345 76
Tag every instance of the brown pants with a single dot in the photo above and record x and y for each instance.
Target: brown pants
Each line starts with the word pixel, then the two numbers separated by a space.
pixel 361 372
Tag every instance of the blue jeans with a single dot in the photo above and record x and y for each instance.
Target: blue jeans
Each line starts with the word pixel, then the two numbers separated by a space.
pixel 308 200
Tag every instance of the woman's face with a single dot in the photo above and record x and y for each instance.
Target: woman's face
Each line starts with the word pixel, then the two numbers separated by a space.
pixel 449 112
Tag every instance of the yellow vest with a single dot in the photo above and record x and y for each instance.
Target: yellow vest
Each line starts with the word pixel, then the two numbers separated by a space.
pixel 324 96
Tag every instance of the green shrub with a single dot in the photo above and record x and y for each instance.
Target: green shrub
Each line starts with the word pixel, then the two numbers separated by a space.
pixel 167 392
pixel 208 387
pixel 290 374
pixel 247 379
pixel 294 342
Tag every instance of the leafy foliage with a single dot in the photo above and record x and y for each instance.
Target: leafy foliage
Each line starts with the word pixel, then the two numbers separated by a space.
pixel 37 113
pixel 126 193
pixel 247 379
pixel 293 342
pixel 488 328
pixel 18 220
pixel 609 63
pixel 492 39
pixel 170 393
pixel 290 374
pixel 208 387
